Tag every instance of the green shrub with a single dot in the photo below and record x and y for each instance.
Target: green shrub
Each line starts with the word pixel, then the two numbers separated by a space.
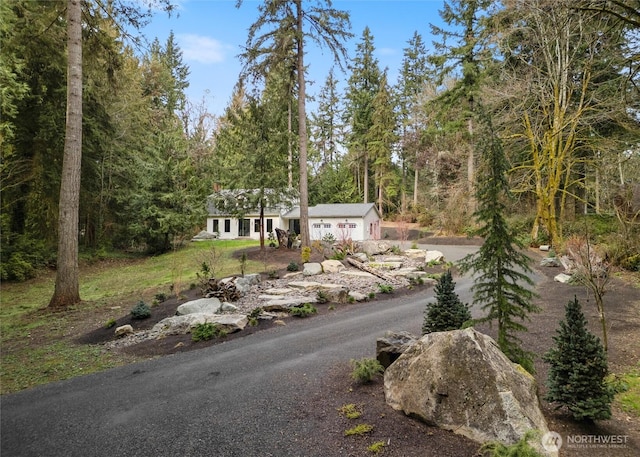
pixel 161 297
pixel 359 430
pixel 293 266
pixel 372 295
pixel 396 249
pixel 322 296
pixel 305 254
pixel 207 331
pixel 448 312
pixel 520 449
pixel 365 369
pixel 141 311
pixel 304 310
pixel 110 323
pixel 350 411
pixel 254 315
pixel 377 447
pixel 578 369
pixel 385 288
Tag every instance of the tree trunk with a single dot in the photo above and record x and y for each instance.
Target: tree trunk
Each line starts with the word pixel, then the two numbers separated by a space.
pixel 67 288
pixel 365 161
pixel 305 237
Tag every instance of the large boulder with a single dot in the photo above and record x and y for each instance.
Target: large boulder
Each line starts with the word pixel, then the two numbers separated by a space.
pixel 332 266
pixel 375 247
pixel 392 345
pixel 311 269
pixel 202 305
pixel 180 325
pixel 461 381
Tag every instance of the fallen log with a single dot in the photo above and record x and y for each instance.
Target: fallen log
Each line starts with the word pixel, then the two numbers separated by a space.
pixel 361 266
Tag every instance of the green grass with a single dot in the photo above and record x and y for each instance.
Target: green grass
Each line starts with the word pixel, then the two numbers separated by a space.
pixel 37 344
pixel 629 400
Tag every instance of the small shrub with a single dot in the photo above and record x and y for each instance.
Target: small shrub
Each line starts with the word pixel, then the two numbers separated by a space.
pixel 141 311
pixel 272 240
pixel 448 312
pixel 385 288
pixel 332 307
pixel 322 296
pixel 206 331
pixel 110 323
pixel 359 430
pixel 396 249
pixel 372 295
pixel 272 274
pixel 329 238
pixel 293 266
pixel 254 315
pixel 377 447
pixel 243 263
pixel 304 310
pixel 578 369
pixel 520 449
pixel 350 411
pixel 351 299
pixel 305 254
pixel 365 369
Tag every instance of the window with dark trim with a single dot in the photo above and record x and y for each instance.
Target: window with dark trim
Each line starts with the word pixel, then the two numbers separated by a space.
pixel 227 225
pixel 269 225
pixel 216 226
pixel 256 225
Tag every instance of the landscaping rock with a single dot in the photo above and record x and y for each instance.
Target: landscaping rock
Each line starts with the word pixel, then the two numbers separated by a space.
pixel 360 256
pixel 227 308
pixel 336 293
pixel 415 253
pixel 311 269
pixel 461 381
pixel 332 266
pixel 244 283
pixel 375 247
pixel 124 330
pixel 550 262
pixel 392 345
pixel 180 325
pixel 285 303
pixel 562 278
pixel 433 257
pixel 202 305
pixel 305 285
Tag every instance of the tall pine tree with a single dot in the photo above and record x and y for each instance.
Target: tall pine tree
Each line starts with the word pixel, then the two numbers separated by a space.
pixel 500 266
pixel 578 368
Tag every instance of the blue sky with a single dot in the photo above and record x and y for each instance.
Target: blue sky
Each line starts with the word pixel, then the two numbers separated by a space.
pixel 210 34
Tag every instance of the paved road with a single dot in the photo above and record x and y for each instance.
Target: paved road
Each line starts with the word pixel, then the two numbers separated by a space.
pixel 239 398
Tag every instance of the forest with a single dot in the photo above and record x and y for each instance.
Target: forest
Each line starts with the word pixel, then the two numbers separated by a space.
pixel 558 80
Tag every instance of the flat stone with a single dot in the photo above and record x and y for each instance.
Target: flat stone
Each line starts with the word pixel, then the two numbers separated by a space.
pixel 124 330
pixel 278 291
pixel 304 285
pixel 180 325
pixel 362 274
pixel 563 278
pixel 202 305
pixel 386 265
pixel 433 257
pixel 292 274
pixel 415 253
pixel 282 304
pixel 357 296
pixel 550 262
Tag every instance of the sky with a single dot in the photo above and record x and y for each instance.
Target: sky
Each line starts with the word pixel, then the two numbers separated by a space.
pixel 211 34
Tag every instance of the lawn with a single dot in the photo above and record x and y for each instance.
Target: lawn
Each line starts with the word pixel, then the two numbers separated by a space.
pixel 38 345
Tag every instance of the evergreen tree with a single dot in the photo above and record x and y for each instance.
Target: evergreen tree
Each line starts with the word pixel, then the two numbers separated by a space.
pixel 578 367
pixel 500 266
pixel 363 85
pixel 448 312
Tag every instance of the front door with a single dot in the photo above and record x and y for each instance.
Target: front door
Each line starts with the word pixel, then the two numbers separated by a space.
pixel 244 227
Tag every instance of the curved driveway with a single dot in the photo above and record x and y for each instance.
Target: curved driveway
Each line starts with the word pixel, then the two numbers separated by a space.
pixel 239 398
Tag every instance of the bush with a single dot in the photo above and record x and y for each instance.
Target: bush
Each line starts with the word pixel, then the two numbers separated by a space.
pixel 293 266
pixel 322 296
pixel 350 411
pixel 360 429
pixel 110 323
pixel 305 254
pixel 365 369
pixel 578 369
pixel 377 447
pixel 448 312
pixel 207 331
pixel 385 288
pixel 520 449
pixel 304 310
pixel 141 311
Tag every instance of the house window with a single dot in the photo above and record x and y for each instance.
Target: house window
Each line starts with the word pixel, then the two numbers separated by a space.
pixel 243 227
pixel 216 226
pixel 269 225
pixel 227 225
pixel 350 225
pixel 256 225
pixel 317 226
pixel 327 225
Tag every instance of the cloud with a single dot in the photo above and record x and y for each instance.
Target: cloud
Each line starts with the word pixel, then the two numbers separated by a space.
pixel 202 49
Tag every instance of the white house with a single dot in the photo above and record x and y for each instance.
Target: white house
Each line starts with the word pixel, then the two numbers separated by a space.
pixel 356 221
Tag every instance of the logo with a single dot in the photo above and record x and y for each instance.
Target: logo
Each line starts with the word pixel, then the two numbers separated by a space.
pixel 551 441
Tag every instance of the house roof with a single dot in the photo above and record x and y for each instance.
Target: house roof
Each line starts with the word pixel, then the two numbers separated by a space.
pixel 245 201
pixel 335 210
